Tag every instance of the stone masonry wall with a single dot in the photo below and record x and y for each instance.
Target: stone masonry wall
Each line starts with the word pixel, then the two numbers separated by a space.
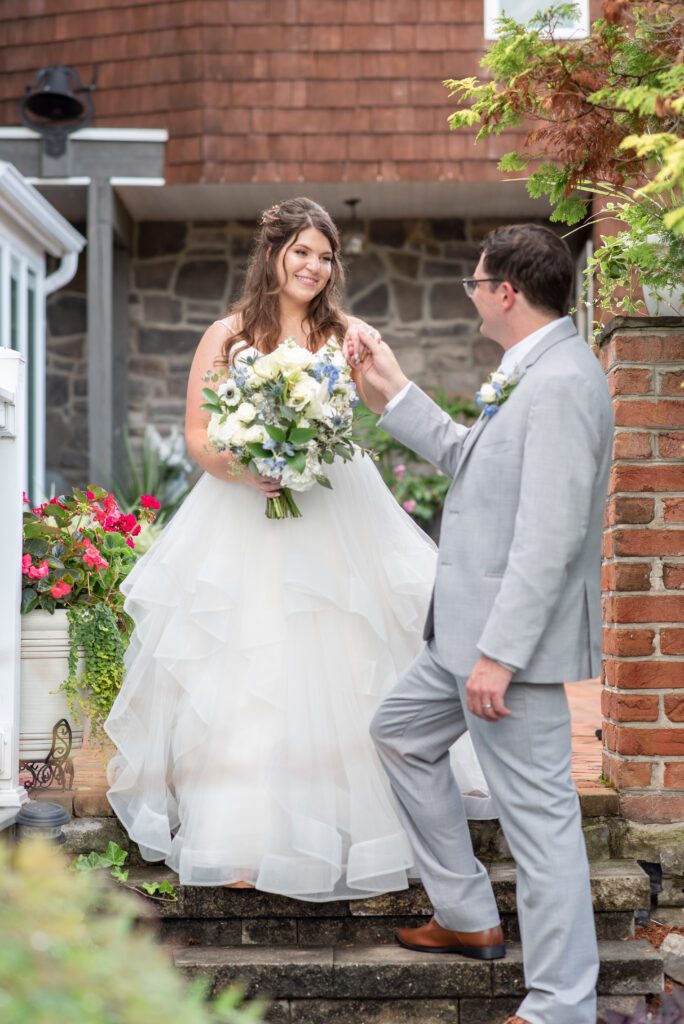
pixel 643 570
pixel 184 276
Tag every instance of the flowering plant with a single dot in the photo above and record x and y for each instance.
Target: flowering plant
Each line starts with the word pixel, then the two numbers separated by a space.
pixel 77 550
pixel 494 392
pixel 284 415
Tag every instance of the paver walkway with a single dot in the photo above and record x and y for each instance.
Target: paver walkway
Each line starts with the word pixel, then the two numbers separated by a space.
pixel 90 784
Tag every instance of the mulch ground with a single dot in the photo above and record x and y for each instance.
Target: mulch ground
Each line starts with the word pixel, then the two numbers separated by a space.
pixel 655 934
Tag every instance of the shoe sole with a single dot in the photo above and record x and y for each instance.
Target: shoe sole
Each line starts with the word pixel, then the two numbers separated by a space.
pixel 472 952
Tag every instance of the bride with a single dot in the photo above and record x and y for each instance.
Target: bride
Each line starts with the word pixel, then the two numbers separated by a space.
pixel 262 647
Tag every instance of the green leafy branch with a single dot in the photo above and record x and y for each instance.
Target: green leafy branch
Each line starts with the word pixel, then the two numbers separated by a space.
pixel 114 858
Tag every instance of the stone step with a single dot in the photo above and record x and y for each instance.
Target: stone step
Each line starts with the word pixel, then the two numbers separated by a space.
pixel 220 916
pixel 355 984
pixel 601 826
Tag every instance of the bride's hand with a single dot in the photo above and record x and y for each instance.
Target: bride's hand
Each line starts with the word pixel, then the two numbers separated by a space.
pixel 268 486
pixel 372 360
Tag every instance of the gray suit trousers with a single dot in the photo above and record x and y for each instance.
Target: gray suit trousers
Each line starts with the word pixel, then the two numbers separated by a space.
pixel 526 759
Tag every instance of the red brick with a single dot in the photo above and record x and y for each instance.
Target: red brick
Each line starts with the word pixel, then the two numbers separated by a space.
pixel 674 774
pixel 673 510
pixel 650 741
pixel 609 736
pixel 671 446
pixel 634 707
pixel 674 707
pixel 672 641
pixel 671 383
pixel 630 380
pixel 631 774
pixel 654 808
pixel 648 542
pixel 632 444
pixel 620 509
pixel 642 348
pixel 673 576
pixel 605 702
pixel 628 643
pixel 646 478
pixel 626 576
pixel 644 675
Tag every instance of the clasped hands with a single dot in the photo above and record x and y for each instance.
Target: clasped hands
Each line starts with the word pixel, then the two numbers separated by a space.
pixel 380 377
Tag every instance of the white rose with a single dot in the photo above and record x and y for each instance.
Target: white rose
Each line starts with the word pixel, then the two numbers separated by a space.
pixel 488 394
pixel 303 392
pixel 499 378
pixel 246 412
pixel 221 429
pixel 315 409
pixel 265 367
pixel 255 434
pixel 290 356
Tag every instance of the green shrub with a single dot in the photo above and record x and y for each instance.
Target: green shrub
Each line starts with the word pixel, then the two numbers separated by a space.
pixel 70 951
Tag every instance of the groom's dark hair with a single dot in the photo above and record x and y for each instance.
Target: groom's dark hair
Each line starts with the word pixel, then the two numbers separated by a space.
pixel 535 261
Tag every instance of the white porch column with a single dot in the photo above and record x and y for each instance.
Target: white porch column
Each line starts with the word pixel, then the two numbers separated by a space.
pixel 12 454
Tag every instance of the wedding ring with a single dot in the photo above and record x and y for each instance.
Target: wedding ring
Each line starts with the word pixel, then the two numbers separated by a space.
pixel 487 705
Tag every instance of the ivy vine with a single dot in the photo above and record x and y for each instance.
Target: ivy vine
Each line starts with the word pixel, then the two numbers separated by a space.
pixel 96 636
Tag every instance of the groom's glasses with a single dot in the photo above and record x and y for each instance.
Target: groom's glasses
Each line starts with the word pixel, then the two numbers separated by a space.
pixel 471 283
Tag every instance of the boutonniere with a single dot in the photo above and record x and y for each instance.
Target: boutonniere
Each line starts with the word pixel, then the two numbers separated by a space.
pixel 495 391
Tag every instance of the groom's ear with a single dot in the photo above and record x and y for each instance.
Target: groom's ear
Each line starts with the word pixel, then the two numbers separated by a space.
pixel 509 292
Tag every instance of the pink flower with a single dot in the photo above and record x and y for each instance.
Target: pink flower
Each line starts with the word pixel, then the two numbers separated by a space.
pixel 94 559
pixel 60 589
pixel 128 523
pixel 130 543
pixel 399 470
pixel 24 498
pixel 149 501
pixel 89 495
pixel 409 505
pixel 38 572
pixel 26 564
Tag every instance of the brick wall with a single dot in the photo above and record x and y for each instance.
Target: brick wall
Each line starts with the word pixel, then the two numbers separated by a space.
pixel 643 570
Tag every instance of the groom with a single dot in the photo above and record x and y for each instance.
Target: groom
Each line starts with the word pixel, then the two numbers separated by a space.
pixel 514 614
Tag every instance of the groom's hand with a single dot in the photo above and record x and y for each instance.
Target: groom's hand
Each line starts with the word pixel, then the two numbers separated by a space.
pixel 486 688
pixel 381 375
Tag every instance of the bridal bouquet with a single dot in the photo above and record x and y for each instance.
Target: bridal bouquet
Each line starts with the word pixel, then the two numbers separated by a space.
pixel 284 415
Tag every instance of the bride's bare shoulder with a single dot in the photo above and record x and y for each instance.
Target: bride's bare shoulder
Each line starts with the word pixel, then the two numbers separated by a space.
pixel 216 334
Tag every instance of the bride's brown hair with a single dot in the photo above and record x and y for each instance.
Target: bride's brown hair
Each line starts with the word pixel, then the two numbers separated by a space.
pixel 258 308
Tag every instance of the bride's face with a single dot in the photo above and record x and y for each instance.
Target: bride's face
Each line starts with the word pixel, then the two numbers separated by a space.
pixel 304 266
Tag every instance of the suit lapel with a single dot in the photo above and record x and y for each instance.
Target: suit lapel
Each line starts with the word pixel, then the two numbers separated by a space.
pixel 564 330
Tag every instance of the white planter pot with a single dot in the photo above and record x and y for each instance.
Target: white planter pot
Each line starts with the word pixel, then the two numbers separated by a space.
pixel 44 667
pixel 671 303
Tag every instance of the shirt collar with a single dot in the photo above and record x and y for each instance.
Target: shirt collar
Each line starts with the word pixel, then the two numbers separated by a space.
pixel 514 356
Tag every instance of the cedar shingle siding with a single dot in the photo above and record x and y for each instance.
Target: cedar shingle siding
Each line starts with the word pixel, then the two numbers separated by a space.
pixel 267 90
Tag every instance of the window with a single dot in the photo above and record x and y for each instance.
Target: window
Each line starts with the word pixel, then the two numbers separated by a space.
pixel 523 10
pixel 21 328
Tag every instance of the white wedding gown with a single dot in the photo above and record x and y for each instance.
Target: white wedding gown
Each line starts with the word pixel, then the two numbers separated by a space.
pixel 261 650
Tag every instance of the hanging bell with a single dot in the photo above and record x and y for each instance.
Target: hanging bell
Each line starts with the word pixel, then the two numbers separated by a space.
pixel 51 96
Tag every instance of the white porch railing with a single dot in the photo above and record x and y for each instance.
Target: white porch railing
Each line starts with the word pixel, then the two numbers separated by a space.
pixel 12 444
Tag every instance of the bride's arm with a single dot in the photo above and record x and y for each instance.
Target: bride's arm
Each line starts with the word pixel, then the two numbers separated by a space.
pixel 219 464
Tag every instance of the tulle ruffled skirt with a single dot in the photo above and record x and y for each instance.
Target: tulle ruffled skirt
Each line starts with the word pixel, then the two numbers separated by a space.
pixel 261 651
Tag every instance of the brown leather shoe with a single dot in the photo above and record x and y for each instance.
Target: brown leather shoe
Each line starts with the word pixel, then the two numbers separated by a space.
pixel 432 938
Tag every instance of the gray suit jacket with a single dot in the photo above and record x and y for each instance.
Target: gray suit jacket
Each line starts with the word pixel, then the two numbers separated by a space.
pixel 518 576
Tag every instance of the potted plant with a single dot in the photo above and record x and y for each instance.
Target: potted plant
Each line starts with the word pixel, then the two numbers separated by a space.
pixel 604 119
pixel 77 550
